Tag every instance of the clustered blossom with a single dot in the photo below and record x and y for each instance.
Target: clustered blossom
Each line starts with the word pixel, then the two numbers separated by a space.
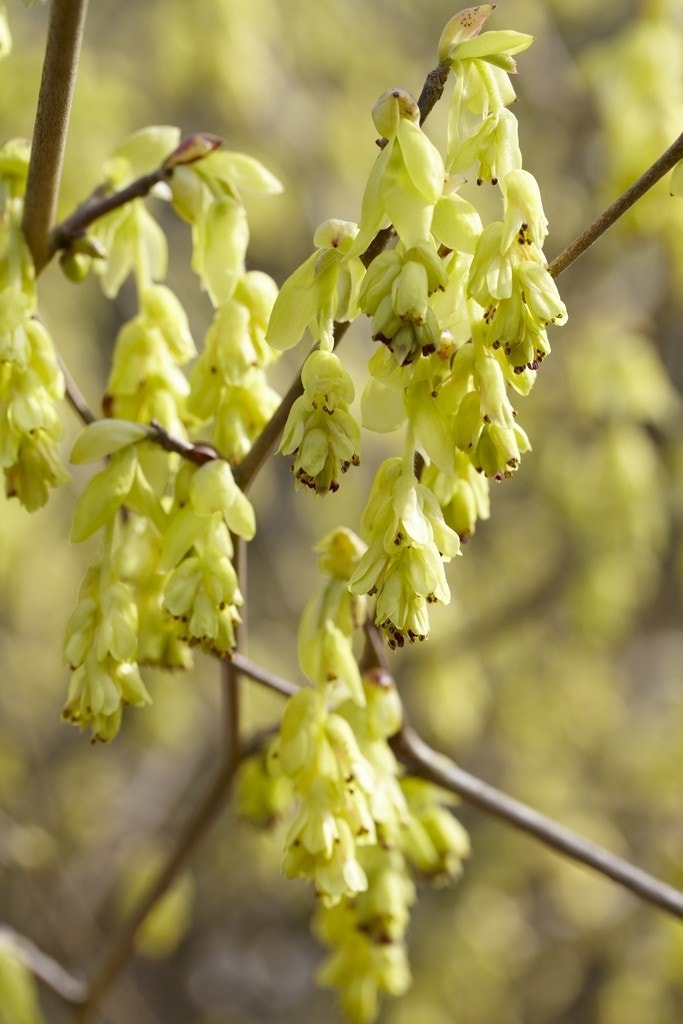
pixel 320 430
pixel 344 837
pixel 228 384
pixel 408 541
pixel 172 549
pixel 359 830
pixel 202 591
pixel 330 619
pixel 101 647
pixel 459 310
pixel 31 383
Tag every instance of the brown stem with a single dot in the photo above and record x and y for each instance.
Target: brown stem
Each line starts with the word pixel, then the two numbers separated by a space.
pixel 74 396
pixel 261 675
pixel 433 88
pixel 618 208
pixel 230 672
pixel 428 764
pixel 194 832
pixel 65 33
pixel 101 203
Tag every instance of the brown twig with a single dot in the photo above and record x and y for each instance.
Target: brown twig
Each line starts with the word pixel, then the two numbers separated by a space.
pixel 618 208
pixel 260 675
pixel 198 452
pixel 230 671
pixel 433 88
pixel 65 33
pixel 428 764
pixel 74 396
pixel 422 760
pixel 102 202
pixel 194 832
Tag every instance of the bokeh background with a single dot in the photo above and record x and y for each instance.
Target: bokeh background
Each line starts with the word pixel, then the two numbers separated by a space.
pixel 557 671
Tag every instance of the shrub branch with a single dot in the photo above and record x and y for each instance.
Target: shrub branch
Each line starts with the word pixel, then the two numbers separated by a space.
pixel 65 33
pixel 618 208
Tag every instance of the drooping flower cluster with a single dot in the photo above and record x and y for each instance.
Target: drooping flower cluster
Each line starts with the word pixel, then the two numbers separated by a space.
pixel 331 618
pixel 344 782
pixel 101 641
pixel 228 385
pixel 320 430
pixel 168 530
pixel 408 542
pixel 165 575
pixel 31 382
pixel 202 591
pixel 461 310
pixel 359 832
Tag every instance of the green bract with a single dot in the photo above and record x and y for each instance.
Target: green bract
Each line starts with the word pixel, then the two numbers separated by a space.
pixel 463 25
pixel 140 153
pixel 325 286
pixel 104 437
pixel 404 185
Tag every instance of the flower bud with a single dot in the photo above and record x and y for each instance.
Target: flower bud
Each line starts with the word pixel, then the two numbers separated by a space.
pixel 393 105
pixel 410 292
pixel 192 148
pixel 378 280
pixel 464 25
pixel 75 266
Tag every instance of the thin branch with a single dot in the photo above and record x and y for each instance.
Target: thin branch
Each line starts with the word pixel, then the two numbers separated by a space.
pixel 270 435
pixel 190 149
pixel 102 202
pixel 74 395
pixel 618 208
pixel 192 835
pixel 428 764
pixel 198 452
pixel 230 672
pixel 65 33
pixel 44 967
pixel 260 675
pixel 432 90
pixel 421 759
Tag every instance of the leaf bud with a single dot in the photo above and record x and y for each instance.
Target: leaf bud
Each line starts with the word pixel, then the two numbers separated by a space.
pixel 192 148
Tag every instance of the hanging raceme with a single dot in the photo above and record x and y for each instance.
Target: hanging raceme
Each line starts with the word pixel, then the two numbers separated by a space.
pixel 458 312
pixel 31 382
pixel 168 528
pixel 460 309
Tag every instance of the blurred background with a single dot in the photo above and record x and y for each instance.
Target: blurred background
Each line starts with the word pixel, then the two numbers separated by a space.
pixel 557 671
